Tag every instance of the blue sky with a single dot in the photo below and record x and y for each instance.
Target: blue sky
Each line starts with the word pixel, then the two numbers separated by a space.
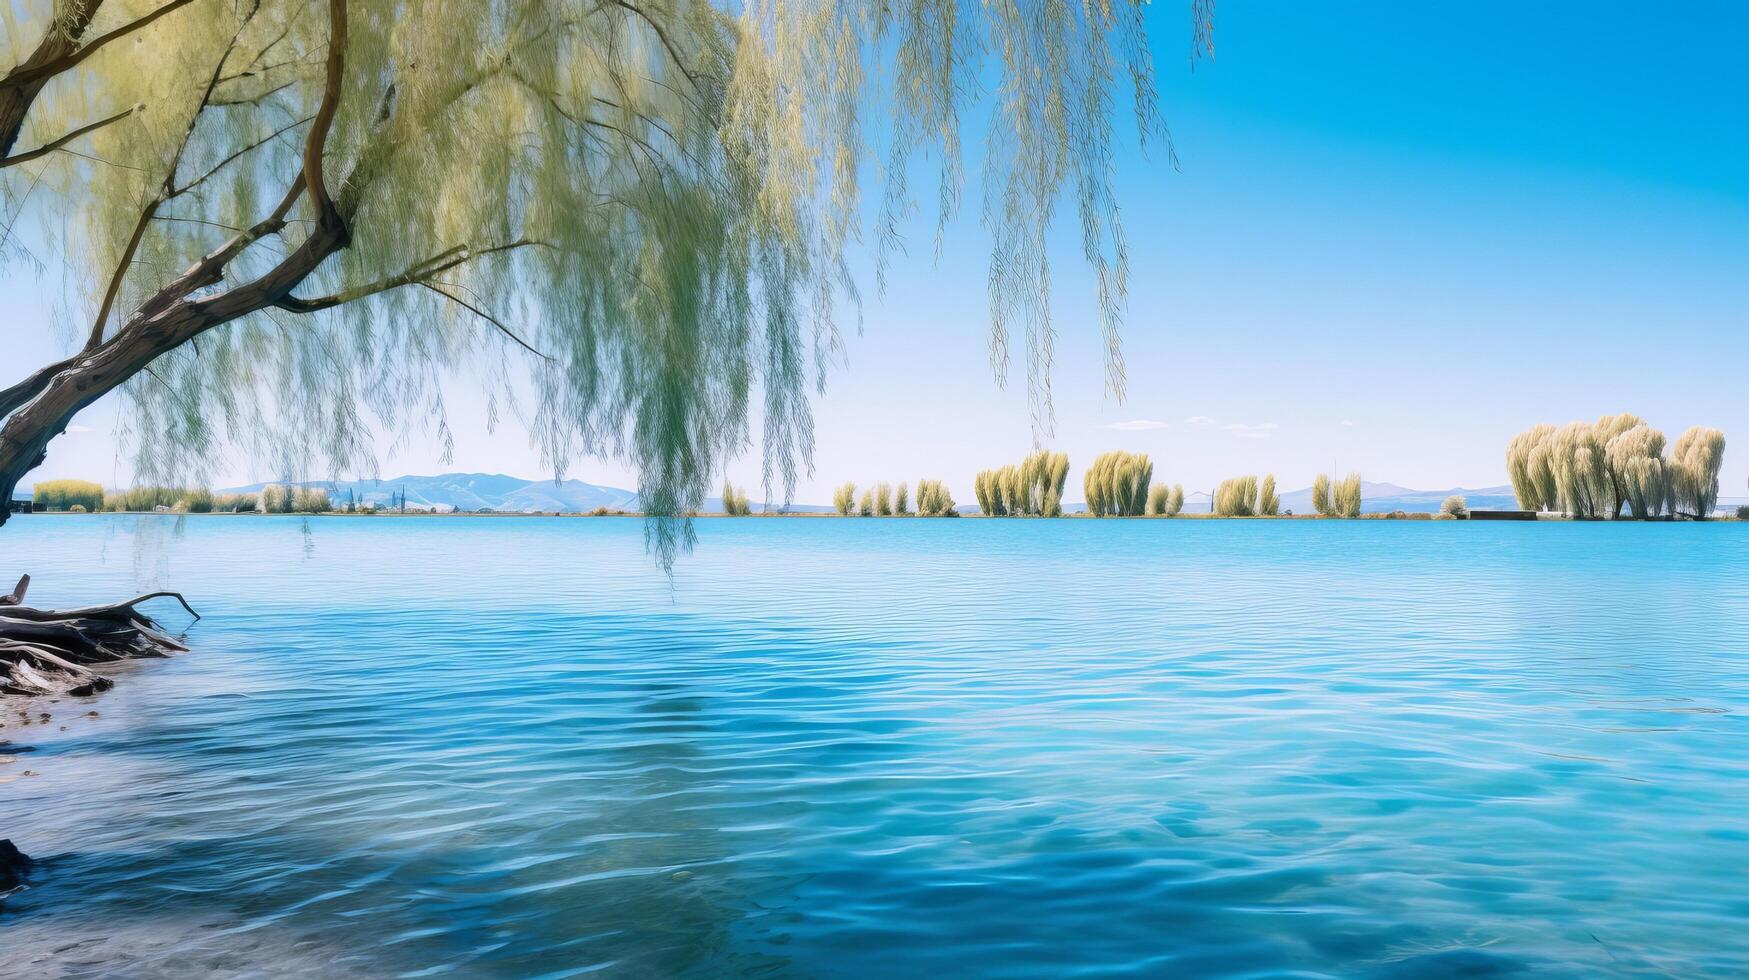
pixel 1401 233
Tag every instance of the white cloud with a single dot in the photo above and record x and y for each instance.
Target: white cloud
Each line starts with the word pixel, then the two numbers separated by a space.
pixel 1261 430
pixel 74 430
pixel 1244 430
pixel 1135 425
pixel 1347 421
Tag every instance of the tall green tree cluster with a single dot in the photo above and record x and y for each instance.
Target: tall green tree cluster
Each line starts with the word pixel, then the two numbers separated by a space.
pixel 1618 463
pixel 1117 484
pixel 1031 488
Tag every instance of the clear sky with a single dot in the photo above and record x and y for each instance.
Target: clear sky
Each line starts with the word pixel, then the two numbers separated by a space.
pixel 1401 233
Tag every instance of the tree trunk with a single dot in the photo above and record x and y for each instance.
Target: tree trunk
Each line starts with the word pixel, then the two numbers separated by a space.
pixel 60 41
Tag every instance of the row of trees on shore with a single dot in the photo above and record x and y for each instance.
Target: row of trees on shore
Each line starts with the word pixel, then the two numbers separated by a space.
pixel 1618 463
pixel 884 500
pixel 84 496
pixel 1245 496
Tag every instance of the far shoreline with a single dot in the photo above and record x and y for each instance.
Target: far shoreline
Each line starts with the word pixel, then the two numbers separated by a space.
pixel 1376 516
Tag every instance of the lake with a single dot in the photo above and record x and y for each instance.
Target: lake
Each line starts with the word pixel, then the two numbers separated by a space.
pixel 509 747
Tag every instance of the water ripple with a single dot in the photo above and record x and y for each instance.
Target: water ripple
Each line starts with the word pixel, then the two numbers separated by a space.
pixel 510 747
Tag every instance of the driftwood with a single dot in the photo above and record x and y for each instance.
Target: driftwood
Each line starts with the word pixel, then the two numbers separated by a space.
pixel 53 652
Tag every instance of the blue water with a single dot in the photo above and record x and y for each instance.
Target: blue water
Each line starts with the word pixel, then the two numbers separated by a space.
pixel 871 748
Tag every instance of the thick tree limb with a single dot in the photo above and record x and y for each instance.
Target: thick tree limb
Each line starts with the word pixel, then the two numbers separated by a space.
pixel 24 391
pixel 18 94
pixel 173 316
pixel 28 73
pixel 314 181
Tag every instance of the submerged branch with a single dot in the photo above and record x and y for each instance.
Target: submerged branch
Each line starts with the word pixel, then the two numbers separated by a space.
pixel 52 652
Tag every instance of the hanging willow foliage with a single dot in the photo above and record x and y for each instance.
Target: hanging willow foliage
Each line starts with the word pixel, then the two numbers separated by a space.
pixel 625 219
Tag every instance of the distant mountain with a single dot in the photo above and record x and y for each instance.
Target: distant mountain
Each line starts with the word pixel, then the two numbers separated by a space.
pixel 490 491
pixel 1378 498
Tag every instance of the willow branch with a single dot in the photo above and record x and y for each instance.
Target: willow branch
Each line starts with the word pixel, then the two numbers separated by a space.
pixel 414 274
pixel 482 314
pixel 222 164
pixel 54 145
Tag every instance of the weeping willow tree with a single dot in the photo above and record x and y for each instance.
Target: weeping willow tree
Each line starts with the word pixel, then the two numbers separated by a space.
pixel 735 501
pixel 1268 501
pixel 286 224
pixel 1236 497
pixel 844 499
pixel 1165 501
pixel 883 500
pixel 1031 488
pixel 1345 496
pixel 933 500
pixel 296 219
pixel 1695 460
pixel 1116 484
pixel 1598 469
pixel 902 500
pixel 1635 458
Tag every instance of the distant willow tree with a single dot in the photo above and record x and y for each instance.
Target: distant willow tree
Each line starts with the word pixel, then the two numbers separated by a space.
pixel 288 223
pixel 1345 496
pixel 1268 501
pixel 1165 501
pixel 1336 499
pixel 933 500
pixel 1321 495
pixel 1236 497
pixel 1117 484
pixel 1598 469
pixel 1031 488
pixel 735 501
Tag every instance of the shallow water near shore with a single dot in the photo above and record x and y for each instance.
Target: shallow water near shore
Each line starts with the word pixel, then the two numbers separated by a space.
pixel 512 747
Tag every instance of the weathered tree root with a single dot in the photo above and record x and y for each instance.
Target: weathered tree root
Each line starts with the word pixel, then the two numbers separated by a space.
pixel 50 652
